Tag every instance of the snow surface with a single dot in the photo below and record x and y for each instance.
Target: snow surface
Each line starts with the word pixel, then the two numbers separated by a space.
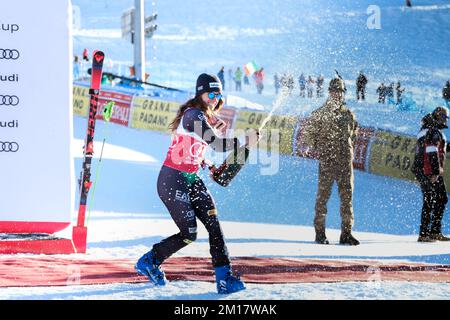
pixel 265 215
pixel 255 227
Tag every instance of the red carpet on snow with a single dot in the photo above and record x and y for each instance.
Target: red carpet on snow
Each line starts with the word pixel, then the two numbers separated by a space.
pixel 56 271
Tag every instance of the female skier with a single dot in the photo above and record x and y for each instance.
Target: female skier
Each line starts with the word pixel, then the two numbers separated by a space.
pixel 184 193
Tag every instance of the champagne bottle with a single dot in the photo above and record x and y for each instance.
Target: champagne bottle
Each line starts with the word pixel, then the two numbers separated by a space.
pixel 231 166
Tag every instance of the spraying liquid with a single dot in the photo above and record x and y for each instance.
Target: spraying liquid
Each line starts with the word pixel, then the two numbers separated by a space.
pixel 277 103
pixel 236 160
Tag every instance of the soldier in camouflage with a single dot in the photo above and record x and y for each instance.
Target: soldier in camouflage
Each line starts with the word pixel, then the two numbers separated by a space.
pixel 331 132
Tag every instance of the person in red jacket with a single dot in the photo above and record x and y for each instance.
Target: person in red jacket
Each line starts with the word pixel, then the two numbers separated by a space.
pixel 259 79
pixel 428 167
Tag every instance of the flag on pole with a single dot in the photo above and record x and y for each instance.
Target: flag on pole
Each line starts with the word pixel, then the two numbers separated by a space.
pixel 250 68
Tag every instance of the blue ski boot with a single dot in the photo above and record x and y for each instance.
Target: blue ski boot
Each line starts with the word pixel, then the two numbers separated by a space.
pixel 226 281
pixel 148 266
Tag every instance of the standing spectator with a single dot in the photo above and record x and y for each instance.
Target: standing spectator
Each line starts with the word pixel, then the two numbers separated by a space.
pixel 408 3
pixel 106 79
pixel 446 93
pixel 361 82
pixel 246 81
pixel 290 83
pixel 390 93
pixel 399 91
pixel 284 81
pixel 331 132
pixel 132 72
pixel 302 85
pixel 86 54
pixel 221 76
pixel 238 79
pixel 320 81
pixel 276 82
pixel 230 78
pixel 428 167
pixel 259 79
pixel 381 90
pixel 310 86
pixel 76 67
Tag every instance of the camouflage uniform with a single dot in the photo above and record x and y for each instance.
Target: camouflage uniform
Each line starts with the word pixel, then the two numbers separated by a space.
pixel 331 134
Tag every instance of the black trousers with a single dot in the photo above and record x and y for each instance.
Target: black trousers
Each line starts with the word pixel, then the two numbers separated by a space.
pixel 434 202
pixel 361 90
pixel 187 198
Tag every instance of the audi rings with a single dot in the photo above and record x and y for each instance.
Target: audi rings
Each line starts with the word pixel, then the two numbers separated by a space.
pixel 9 54
pixel 6 100
pixel 6 146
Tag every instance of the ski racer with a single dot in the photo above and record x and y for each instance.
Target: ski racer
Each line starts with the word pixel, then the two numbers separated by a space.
pixel 184 193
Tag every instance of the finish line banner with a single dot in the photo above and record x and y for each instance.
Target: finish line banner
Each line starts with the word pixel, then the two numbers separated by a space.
pixel 35 116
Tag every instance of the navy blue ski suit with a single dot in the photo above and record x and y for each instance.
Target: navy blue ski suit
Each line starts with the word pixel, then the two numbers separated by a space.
pixel 183 191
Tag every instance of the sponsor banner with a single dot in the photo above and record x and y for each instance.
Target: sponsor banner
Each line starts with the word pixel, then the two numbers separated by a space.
pixel 247 119
pixel 392 155
pixel 152 114
pixel 122 105
pixel 80 100
pixel 360 149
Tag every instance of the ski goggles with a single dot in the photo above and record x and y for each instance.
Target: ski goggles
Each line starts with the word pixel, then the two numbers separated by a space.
pixel 213 95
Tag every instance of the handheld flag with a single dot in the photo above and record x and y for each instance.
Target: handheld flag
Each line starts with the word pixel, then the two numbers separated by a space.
pixel 250 68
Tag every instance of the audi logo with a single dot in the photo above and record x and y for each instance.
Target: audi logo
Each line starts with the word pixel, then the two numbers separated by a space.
pixel 6 100
pixel 6 146
pixel 9 54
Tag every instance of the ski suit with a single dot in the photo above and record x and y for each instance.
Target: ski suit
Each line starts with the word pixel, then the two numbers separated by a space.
pixel 184 193
pixel 429 160
pixel 331 131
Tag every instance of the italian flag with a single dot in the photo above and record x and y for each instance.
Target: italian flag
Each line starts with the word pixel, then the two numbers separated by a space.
pixel 250 68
